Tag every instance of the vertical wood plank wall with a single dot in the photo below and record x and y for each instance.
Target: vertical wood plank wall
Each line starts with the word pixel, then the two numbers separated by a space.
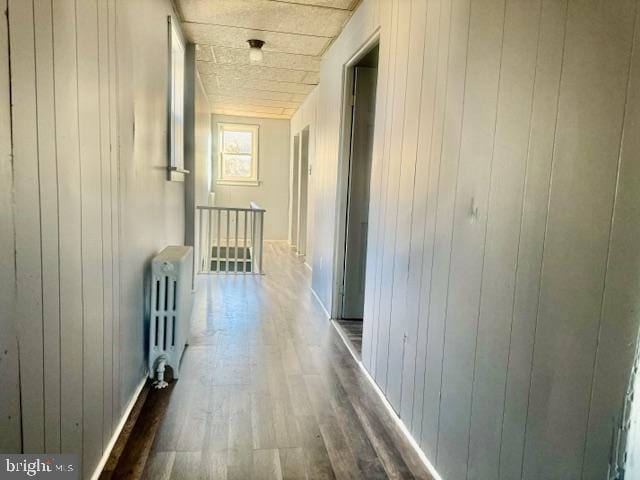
pixel 503 266
pixel 91 206
pixel 10 435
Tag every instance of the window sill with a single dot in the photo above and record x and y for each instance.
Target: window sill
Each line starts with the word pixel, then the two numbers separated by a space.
pixel 239 183
pixel 177 174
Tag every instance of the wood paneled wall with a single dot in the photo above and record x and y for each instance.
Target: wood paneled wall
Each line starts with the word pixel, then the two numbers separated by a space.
pixel 92 206
pixel 10 436
pixel 503 264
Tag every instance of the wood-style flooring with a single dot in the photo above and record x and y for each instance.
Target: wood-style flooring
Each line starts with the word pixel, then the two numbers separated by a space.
pixel 352 329
pixel 268 390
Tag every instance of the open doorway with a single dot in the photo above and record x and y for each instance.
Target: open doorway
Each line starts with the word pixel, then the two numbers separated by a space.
pixel 299 191
pixel 303 184
pixel 293 234
pixel 360 95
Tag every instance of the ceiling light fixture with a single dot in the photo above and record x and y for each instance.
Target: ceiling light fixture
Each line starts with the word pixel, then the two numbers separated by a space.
pixel 255 50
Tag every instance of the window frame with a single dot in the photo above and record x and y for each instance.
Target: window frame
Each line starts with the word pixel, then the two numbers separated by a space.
pixel 253 180
pixel 176 64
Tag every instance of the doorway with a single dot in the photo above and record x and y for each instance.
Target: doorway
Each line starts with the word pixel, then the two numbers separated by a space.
pixel 303 184
pixel 360 94
pixel 293 234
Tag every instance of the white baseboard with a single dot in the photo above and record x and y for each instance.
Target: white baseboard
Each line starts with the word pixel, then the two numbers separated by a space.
pixel 385 402
pixel 324 309
pixel 118 430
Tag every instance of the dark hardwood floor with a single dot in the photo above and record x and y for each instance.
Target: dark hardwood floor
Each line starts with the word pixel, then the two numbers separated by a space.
pixel 268 390
pixel 352 329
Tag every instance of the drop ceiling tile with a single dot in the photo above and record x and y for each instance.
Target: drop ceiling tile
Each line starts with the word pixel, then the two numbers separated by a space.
pixel 227 81
pixel 296 34
pixel 266 15
pixel 237 37
pixel 247 108
pixel 240 56
pixel 312 78
pixel 237 113
pixel 256 72
pixel 204 53
pixel 239 99
pixel 214 90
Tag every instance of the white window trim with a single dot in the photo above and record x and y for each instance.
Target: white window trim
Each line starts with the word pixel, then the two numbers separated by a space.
pixel 239 127
pixel 176 102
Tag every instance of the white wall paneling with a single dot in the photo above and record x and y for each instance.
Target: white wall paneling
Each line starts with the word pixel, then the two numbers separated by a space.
pixel 502 269
pixel 598 42
pixel 423 222
pixel 152 209
pixel 92 207
pixel 383 102
pixel 509 166
pixel 619 320
pixel 399 341
pixel 539 155
pixel 470 213
pixel 27 225
pixel 91 239
pixel 109 421
pixel 10 435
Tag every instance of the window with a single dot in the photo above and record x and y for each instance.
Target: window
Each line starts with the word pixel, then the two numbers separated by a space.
pixel 238 157
pixel 176 103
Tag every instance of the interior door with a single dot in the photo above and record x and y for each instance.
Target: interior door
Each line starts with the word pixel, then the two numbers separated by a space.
pixel 363 116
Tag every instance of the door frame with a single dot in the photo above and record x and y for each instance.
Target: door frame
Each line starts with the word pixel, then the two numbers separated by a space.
pixel 294 200
pixel 344 155
pixel 303 190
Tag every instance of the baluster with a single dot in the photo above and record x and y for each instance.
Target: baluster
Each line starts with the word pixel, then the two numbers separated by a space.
pixel 228 256
pixel 254 265
pixel 218 245
pixel 235 252
pixel 261 239
pixel 209 235
pixel 245 249
pixel 201 259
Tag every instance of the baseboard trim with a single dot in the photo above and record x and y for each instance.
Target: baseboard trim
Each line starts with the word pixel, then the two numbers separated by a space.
pixel 324 309
pixel 346 341
pixel 118 430
pixel 385 402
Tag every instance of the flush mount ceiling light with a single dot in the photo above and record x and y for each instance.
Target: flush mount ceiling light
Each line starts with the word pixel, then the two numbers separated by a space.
pixel 255 51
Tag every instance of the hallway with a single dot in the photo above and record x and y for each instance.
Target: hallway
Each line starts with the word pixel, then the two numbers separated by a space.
pixel 268 390
pixel 481 217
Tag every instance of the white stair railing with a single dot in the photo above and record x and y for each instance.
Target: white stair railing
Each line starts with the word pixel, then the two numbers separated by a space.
pixel 230 239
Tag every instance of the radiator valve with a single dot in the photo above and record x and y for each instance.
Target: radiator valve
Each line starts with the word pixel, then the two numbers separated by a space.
pixel 160 364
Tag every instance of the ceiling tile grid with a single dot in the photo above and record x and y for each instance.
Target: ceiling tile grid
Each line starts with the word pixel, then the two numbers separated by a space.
pixel 296 35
